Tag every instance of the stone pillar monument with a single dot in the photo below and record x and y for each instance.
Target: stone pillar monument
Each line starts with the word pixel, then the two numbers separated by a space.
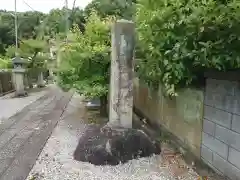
pixel 117 142
pixel 18 76
pixel 121 83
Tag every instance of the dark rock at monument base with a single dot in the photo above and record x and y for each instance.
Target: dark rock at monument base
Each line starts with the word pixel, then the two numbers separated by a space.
pixel 106 146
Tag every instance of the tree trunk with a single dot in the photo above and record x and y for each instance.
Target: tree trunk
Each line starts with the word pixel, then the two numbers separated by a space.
pixel 103 106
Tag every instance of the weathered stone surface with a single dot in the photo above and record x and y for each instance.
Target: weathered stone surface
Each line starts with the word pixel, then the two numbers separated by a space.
pixel 206 154
pixel 227 136
pixel 19 84
pixel 220 101
pixel 226 168
pixel 209 127
pixel 236 123
pixel 236 103
pixel 221 86
pixel 218 116
pixel 40 82
pixel 105 146
pixel 234 157
pixel 122 68
pixel 215 145
pixel 221 134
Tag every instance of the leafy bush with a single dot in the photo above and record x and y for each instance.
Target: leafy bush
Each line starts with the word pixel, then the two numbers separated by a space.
pixel 5 63
pixel 85 61
pixel 180 39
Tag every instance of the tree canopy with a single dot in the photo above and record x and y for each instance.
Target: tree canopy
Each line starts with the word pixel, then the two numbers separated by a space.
pixel 33 25
pixel 119 8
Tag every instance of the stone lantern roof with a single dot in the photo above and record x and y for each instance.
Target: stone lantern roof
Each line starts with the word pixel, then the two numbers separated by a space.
pixel 18 60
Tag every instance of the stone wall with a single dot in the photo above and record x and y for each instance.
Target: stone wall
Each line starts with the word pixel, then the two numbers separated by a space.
pixel 221 127
pixel 182 116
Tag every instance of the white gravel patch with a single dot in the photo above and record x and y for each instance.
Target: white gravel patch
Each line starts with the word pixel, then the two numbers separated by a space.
pixel 56 160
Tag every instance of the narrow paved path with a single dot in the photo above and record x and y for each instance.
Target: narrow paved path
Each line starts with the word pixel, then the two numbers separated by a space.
pixel 23 135
pixel 10 106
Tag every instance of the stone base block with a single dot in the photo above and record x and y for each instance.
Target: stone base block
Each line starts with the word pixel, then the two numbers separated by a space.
pixel 108 146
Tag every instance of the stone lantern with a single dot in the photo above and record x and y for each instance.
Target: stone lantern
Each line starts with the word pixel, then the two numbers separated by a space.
pixel 18 76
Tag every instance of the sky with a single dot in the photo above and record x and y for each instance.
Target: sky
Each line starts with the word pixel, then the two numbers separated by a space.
pixel 40 5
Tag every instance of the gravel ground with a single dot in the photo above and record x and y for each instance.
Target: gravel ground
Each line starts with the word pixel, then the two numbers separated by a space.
pixel 56 160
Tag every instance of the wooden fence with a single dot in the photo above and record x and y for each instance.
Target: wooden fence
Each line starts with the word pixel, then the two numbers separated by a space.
pixel 6 84
pixel 6 79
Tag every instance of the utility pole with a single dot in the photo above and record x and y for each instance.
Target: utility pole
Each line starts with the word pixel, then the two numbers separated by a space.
pixel 16 28
pixel 28 5
pixel 18 63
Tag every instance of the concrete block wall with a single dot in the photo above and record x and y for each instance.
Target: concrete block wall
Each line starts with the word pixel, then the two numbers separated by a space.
pixel 220 147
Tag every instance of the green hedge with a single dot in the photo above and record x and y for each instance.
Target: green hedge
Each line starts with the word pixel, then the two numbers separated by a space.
pixel 180 39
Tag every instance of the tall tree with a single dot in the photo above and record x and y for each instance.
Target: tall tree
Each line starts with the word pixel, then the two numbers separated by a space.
pixel 28 23
pixel 120 8
pixel 86 60
pixel 34 25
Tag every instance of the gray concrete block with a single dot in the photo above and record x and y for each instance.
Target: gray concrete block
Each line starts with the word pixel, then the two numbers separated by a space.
pixel 212 167
pixel 236 123
pixel 206 154
pixel 236 105
pixel 219 162
pixel 234 157
pixel 215 145
pixel 226 168
pixel 224 102
pixel 220 101
pixel 221 86
pixel 218 116
pixel 209 127
pixel 236 102
pixel 227 136
pixel 208 99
